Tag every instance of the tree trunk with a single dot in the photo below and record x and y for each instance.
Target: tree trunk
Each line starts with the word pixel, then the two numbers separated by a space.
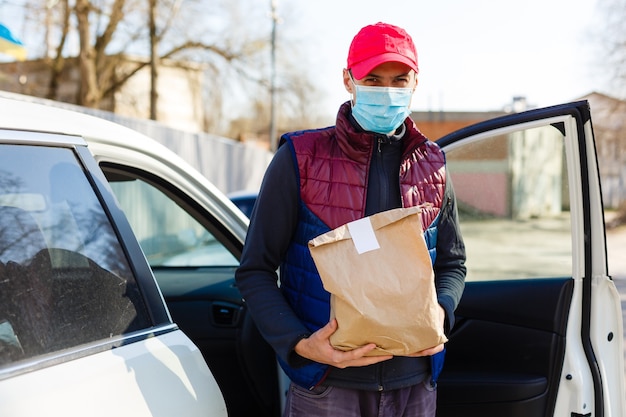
pixel 89 92
pixel 154 61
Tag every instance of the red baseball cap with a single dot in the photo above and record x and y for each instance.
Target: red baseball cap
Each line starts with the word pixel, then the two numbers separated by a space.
pixel 377 44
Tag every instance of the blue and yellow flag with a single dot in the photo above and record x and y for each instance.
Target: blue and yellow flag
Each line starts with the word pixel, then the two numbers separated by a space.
pixel 10 45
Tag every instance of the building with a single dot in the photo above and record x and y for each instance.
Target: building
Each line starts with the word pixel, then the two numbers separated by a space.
pixel 179 89
pixel 435 125
pixel 609 125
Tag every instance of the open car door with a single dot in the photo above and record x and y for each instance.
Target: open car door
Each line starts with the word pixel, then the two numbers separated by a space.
pixel 539 327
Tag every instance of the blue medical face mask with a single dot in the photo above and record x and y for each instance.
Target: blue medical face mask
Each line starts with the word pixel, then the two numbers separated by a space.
pixel 381 109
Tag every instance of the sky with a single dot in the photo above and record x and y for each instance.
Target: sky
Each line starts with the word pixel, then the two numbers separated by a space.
pixel 473 55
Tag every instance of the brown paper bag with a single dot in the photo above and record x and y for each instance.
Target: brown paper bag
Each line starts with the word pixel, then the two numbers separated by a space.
pixel 381 281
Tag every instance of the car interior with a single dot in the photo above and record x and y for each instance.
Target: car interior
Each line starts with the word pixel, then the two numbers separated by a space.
pixel 194 263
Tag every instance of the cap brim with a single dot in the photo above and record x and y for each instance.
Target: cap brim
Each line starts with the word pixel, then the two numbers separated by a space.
pixel 364 67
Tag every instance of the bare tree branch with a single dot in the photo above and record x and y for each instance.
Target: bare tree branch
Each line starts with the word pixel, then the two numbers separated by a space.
pixel 89 92
pixel 57 64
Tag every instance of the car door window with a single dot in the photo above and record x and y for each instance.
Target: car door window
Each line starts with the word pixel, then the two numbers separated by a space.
pixel 513 201
pixel 64 277
pixel 167 233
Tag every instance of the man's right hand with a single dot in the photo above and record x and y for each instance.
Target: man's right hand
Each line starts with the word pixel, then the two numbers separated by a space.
pixel 317 348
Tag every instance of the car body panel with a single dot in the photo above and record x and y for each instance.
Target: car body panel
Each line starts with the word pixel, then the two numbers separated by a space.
pixel 127 380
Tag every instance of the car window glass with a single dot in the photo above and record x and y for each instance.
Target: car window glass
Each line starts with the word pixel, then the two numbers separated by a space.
pixel 64 278
pixel 513 201
pixel 168 235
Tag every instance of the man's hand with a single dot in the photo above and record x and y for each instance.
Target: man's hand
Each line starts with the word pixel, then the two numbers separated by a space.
pixel 317 348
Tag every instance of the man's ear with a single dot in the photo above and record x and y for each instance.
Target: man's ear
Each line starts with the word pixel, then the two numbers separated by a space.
pixel 347 81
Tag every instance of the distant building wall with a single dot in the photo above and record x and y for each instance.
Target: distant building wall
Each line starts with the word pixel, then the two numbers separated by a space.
pixel 179 103
pixel 435 125
pixel 609 123
pixel 179 88
pixel 472 169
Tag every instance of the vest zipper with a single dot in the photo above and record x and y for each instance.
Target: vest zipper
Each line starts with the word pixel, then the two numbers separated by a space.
pixel 383 190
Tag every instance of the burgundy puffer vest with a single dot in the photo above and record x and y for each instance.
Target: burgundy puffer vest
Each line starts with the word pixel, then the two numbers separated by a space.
pixel 333 166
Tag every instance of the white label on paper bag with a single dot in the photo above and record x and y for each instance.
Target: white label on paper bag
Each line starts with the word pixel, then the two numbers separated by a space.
pixel 363 235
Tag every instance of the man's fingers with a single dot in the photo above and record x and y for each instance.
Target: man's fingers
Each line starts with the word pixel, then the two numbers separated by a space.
pixel 362 351
pixel 328 329
pixel 318 348
pixel 357 357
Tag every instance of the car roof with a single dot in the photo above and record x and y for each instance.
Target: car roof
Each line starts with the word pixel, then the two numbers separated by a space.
pixel 103 137
pixel 29 116
pixel 25 115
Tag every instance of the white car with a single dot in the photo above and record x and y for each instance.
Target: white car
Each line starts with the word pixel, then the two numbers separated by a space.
pixel 84 329
pixel 539 328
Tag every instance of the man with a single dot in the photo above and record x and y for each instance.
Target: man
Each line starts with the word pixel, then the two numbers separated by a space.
pixel 374 159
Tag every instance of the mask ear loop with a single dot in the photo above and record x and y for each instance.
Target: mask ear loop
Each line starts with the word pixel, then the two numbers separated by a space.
pixel 353 94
